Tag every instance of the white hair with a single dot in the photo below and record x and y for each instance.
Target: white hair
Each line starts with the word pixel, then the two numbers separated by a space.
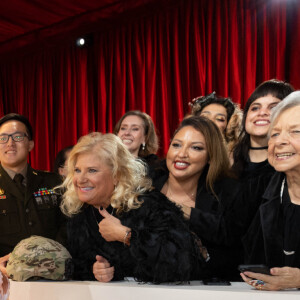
pixel 292 100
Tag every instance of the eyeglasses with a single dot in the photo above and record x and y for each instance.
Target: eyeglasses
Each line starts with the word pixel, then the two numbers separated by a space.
pixel 16 137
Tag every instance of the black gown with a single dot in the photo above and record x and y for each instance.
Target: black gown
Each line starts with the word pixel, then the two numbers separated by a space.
pixel 273 237
pixel 254 181
pixel 213 222
pixel 161 248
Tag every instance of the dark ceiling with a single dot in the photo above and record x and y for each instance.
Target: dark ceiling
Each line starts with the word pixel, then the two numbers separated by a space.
pixel 25 22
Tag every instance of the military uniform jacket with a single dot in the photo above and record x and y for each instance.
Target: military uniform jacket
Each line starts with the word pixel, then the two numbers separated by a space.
pixel 35 213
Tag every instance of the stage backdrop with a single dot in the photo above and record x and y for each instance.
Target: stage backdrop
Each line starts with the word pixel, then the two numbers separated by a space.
pixel 155 60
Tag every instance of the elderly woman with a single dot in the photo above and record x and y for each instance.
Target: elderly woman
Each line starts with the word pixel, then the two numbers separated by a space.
pixel 223 112
pixel 142 234
pixel 274 236
pixel 196 177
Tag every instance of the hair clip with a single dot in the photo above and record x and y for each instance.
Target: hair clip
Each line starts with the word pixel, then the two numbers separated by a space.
pixel 202 99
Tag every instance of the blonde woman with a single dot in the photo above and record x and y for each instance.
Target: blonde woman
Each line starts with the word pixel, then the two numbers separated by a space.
pixel 118 226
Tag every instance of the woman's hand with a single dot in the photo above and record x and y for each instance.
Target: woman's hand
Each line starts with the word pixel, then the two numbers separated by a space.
pixel 3 262
pixel 102 270
pixel 281 278
pixel 111 228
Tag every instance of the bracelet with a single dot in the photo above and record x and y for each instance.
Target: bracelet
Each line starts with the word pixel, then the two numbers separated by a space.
pixel 126 238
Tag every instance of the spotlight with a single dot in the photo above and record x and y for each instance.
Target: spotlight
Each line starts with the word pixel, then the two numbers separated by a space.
pixel 80 42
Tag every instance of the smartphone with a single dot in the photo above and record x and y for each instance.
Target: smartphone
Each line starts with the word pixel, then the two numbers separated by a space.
pixel 215 281
pixel 255 269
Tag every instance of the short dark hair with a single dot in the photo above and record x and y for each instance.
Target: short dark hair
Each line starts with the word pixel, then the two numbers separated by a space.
pixel 60 158
pixel 20 118
pixel 274 87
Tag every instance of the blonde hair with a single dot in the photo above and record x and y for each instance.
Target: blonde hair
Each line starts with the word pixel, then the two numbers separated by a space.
pixel 234 128
pixel 129 173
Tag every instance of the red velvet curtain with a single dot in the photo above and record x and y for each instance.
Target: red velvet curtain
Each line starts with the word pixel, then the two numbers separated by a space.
pixel 155 62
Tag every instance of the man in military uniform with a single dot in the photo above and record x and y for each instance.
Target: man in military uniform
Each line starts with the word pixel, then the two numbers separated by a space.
pixel 28 204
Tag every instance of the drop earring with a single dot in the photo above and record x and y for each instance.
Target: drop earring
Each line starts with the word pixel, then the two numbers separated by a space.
pixel 143 146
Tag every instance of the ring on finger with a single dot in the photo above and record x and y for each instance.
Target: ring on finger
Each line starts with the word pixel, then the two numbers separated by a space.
pixel 260 282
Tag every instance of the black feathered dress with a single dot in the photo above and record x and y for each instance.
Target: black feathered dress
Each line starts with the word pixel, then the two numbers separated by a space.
pixel 162 249
pixel 213 221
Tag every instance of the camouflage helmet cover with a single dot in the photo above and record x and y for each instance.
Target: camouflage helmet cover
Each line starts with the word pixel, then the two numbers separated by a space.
pixel 39 257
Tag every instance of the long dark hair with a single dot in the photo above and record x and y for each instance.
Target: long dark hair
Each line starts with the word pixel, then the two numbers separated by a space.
pixel 216 149
pixel 60 159
pixel 273 87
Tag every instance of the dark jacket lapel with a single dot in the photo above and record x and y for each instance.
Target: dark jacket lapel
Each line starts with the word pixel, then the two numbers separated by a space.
pixel 271 221
pixel 8 186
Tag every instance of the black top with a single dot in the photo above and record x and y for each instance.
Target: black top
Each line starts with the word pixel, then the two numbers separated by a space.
pixel 254 182
pixel 212 221
pixel 161 247
pixel 151 161
pixel 252 167
pixel 36 212
pixel 274 231
pixel 291 226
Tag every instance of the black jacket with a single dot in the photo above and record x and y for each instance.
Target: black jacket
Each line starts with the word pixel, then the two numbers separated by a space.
pixel 213 222
pixel 161 246
pixel 253 185
pixel 263 242
pixel 31 214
